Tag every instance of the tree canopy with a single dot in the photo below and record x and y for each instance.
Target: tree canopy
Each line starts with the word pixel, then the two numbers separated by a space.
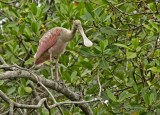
pixel 119 74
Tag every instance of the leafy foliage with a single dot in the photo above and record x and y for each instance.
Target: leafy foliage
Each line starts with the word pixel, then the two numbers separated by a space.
pixel 125 54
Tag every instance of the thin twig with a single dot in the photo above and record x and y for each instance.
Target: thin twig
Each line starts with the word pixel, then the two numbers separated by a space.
pixel 99 84
pixel 54 100
pixel 75 102
pixel 47 107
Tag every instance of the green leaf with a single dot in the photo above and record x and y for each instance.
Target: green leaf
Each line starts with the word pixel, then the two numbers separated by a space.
pixel 12 24
pixel 155 69
pixel 66 76
pixel 86 53
pixel 34 26
pixel 1 82
pixel 111 95
pixel 103 44
pixel 125 95
pixel 149 27
pixel 15 48
pixel 74 76
pixel 9 47
pixel 97 49
pixel 98 11
pixel 146 99
pixel 89 8
pixel 33 8
pixel 21 90
pixel 122 45
pixel 21 28
pixel 86 64
pixel 135 42
pixel 23 81
pixel 138 49
pixel 28 89
pixel 135 87
pixel 131 55
pixel 154 25
pixel 29 61
pixel 152 6
pixel 46 8
pixel 145 96
pixel 11 90
pixel 27 34
pixel 151 98
pixel 30 17
pixel 109 31
pixel 87 16
pixel 104 64
pixel 39 14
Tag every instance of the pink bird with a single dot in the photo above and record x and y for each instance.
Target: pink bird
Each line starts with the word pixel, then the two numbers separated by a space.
pixel 53 43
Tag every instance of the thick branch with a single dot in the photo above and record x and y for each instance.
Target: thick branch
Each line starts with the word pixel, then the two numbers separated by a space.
pixel 61 88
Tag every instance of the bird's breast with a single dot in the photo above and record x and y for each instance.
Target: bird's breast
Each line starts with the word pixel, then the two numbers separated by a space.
pixel 58 48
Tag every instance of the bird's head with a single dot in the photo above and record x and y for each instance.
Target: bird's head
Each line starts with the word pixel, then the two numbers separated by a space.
pixel 77 24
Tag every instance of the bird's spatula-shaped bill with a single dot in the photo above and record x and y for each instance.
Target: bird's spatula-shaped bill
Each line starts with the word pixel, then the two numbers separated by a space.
pixel 86 41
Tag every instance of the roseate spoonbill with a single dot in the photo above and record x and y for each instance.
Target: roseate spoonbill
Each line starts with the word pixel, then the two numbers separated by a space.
pixel 53 43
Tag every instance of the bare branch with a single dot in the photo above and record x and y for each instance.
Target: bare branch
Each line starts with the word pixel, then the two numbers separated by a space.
pixel 8 100
pixel 11 108
pixel 4 97
pixel 11 102
pixel 40 103
pixel 99 84
pixel 61 88
pixel 54 100
pixel 75 102
pixel 47 107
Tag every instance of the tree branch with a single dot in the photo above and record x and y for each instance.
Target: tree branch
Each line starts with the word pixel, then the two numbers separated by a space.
pixel 61 88
pixel 40 103
pixel 11 106
pixel 99 84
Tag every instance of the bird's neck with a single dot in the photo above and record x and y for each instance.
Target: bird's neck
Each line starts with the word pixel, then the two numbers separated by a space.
pixel 70 34
pixel 73 31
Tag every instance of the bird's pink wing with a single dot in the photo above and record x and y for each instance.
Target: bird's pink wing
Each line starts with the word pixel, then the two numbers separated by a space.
pixel 47 41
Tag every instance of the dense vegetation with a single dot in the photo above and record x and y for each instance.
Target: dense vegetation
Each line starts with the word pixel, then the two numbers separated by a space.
pixel 119 74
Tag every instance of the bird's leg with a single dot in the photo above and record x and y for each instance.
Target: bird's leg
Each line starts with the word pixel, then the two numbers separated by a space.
pixel 51 67
pixel 57 74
